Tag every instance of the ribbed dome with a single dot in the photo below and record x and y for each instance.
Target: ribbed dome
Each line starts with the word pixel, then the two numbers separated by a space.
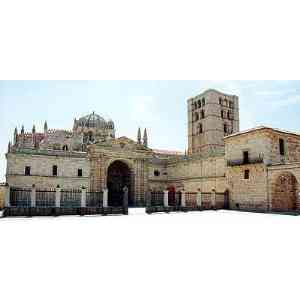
pixel 92 121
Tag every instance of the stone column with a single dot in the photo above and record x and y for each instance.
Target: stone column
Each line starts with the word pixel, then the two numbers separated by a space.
pixel 33 196
pixel 57 196
pixel 105 197
pixel 199 198
pixel 83 197
pixel 7 196
pixel 125 200
pixel 166 198
pixel 213 198
pixel 183 204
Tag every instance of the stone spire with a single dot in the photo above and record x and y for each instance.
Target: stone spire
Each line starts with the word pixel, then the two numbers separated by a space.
pixel 145 139
pixel 9 146
pixel 16 136
pixel 22 129
pixel 45 127
pixel 139 136
pixel 33 129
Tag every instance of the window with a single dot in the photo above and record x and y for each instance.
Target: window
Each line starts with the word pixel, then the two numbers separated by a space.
pixel 225 128
pixel 220 101
pixel 200 128
pixel 202 114
pixel 54 171
pixel 27 171
pixel 245 157
pixel 246 174
pixel 203 101
pixel 199 103
pixel 156 173
pixel 196 116
pixel 65 148
pixel 231 105
pixel 228 115
pixel 79 172
pixel 281 146
pixel 222 114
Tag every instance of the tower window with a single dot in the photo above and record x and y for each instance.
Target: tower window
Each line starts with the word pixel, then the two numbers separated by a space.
pixel 199 103
pixel 79 172
pixel 281 147
pixel 225 128
pixel 200 128
pixel 27 171
pixel 196 116
pixel 220 101
pixel 222 114
pixel 156 173
pixel 65 148
pixel 202 114
pixel 228 115
pixel 245 157
pixel 246 174
pixel 54 170
pixel 203 101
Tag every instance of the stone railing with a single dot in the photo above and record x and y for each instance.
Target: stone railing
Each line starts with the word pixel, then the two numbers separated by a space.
pixel 240 162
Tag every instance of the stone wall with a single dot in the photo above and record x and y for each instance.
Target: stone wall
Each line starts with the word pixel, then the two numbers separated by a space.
pixel 2 196
pixel 41 171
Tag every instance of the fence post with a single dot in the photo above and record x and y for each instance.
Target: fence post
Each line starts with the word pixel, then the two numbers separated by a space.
pixel 83 197
pixel 57 196
pixel 125 200
pixel 7 196
pixel 183 204
pixel 105 197
pixel 213 198
pixel 199 198
pixel 33 196
pixel 166 198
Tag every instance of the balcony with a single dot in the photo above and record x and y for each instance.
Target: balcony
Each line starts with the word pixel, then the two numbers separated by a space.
pixel 241 162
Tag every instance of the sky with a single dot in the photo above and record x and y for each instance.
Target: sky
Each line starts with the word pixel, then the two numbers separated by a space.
pixel 160 106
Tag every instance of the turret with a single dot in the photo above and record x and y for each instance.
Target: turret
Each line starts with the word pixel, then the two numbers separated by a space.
pixel 145 139
pixel 45 127
pixel 139 136
pixel 16 136
pixel 9 147
pixel 22 130
pixel 33 136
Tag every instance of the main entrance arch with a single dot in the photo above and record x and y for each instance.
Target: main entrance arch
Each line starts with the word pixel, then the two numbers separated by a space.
pixel 118 176
pixel 285 192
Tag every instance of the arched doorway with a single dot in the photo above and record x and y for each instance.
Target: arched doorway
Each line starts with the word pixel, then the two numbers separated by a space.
pixel 118 176
pixel 285 192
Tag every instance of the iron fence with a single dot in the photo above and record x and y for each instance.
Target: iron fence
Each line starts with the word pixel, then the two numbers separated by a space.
pixel 45 198
pixel 157 199
pixel 70 198
pixel 94 199
pixel 191 199
pixel 20 197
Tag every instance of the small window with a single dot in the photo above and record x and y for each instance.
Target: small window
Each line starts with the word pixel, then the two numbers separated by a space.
pixel 65 148
pixel 225 128
pixel 27 171
pixel 156 173
pixel 54 171
pixel 196 116
pixel 220 101
pixel 246 174
pixel 203 101
pixel 222 114
pixel 245 157
pixel 200 128
pixel 281 146
pixel 79 172
pixel 202 114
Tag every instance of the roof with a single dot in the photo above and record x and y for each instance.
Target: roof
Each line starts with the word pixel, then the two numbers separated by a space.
pixel 208 91
pixel 262 127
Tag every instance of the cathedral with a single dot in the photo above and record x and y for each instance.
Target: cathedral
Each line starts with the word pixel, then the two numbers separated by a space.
pixel 259 167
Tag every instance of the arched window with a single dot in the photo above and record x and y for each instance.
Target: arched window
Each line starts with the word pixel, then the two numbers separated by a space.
pixel 222 114
pixel 225 128
pixel 220 101
pixel 65 148
pixel 203 101
pixel 202 114
pixel 196 116
pixel 199 103
pixel 200 128
pixel 228 115
pixel 90 134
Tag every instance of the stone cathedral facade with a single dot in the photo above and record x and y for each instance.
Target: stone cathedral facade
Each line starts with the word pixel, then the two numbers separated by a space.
pixel 259 168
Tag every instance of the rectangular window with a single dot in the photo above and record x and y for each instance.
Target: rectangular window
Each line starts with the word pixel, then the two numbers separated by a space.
pixel 281 146
pixel 54 170
pixel 27 171
pixel 245 157
pixel 246 174
pixel 79 172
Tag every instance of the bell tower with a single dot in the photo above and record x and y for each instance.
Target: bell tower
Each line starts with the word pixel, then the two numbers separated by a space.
pixel 211 116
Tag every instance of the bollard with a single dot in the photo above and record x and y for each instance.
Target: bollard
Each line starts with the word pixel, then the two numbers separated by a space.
pixel 213 198
pixel 105 197
pixel 57 200
pixel 183 204
pixel 33 196
pixel 82 201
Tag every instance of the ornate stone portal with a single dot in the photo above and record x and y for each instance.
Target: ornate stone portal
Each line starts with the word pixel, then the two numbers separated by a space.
pixel 117 163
